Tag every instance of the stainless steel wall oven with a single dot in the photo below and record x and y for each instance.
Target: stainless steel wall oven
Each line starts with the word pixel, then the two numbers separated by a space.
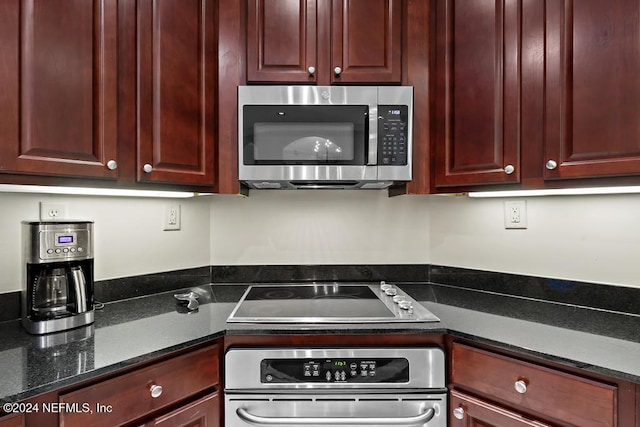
pixel 335 387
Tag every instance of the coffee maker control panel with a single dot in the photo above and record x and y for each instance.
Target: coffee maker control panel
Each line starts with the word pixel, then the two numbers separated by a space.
pixel 64 245
pixel 51 242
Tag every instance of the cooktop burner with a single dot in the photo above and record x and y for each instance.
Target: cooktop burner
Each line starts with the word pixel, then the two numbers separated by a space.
pixel 280 292
pixel 328 303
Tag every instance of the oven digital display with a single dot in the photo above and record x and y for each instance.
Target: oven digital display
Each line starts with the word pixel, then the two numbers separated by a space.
pixel 383 370
pixel 65 239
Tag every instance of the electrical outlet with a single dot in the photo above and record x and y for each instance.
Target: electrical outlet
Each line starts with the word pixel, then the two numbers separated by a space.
pixel 172 217
pixel 515 214
pixel 53 211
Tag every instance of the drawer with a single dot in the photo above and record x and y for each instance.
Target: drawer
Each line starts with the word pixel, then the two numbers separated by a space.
pixel 534 388
pixel 469 411
pixel 128 397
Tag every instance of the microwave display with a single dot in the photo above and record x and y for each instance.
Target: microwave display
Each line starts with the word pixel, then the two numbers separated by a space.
pixel 310 134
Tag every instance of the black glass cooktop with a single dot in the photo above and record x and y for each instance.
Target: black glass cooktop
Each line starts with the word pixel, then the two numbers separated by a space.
pixel 319 303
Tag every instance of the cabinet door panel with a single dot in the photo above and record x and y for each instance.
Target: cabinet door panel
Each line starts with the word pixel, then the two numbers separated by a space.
pixel 201 413
pixel 477 92
pixel 281 41
pixel 584 402
pixel 477 413
pixel 59 75
pixel 592 98
pixel 176 91
pixel 366 41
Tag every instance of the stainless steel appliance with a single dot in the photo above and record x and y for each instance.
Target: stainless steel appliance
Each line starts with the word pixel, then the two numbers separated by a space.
pixel 332 302
pixel 324 136
pixel 335 387
pixel 57 290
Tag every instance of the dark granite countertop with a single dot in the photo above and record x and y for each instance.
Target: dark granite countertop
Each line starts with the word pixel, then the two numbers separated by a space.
pixel 139 329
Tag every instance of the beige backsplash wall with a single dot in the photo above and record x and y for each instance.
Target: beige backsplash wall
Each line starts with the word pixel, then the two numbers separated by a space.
pixel 319 227
pixel 588 238
pixel 129 239
pixel 585 238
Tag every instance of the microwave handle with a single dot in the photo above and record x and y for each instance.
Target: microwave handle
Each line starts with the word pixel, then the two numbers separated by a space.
pixel 372 155
pixel 372 159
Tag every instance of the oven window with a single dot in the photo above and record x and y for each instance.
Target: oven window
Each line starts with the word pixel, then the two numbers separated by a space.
pixel 305 134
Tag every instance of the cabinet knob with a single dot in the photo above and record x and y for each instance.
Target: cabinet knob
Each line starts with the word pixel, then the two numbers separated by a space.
pixel 551 165
pixel 147 168
pixel 311 70
pixel 509 169
pixel 458 413
pixel 337 71
pixel 112 165
pixel 520 386
pixel 156 390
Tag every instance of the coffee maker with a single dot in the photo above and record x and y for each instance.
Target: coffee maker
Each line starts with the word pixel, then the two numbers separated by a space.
pixel 57 291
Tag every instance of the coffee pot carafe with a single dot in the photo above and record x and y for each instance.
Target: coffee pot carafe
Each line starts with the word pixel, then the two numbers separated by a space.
pixel 58 287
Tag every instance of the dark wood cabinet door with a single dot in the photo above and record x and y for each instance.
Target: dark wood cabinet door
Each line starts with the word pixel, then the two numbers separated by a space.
pixel 201 413
pixel 592 90
pixel 12 421
pixel 176 76
pixel 467 411
pixel 58 74
pixel 366 41
pixel 477 138
pixel 282 41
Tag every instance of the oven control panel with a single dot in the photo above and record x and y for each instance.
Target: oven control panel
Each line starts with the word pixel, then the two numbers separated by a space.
pixel 340 370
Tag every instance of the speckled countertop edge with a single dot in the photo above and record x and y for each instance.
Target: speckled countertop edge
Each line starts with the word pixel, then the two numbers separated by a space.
pixel 152 331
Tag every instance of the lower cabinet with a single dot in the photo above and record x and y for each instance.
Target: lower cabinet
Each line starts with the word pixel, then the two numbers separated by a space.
pixel 170 391
pixel 468 411
pixel 201 413
pixel 12 421
pixel 490 389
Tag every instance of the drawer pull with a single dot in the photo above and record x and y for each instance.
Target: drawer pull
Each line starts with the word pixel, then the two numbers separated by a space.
pixel 156 390
pixel 520 386
pixel 458 413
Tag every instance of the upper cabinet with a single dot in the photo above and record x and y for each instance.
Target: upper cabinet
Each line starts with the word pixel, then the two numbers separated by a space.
pixel 282 41
pixel 477 138
pixel 109 89
pixel 58 74
pixel 176 83
pixel 324 42
pixel 536 93
pixel 592 90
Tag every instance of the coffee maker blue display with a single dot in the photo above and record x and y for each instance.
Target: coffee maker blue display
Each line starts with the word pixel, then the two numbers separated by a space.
pixel 57 289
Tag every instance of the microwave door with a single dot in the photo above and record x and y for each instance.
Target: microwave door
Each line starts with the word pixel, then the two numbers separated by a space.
pixel 299 135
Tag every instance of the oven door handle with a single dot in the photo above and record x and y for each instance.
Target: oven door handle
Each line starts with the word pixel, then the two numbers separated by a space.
pixel 415 420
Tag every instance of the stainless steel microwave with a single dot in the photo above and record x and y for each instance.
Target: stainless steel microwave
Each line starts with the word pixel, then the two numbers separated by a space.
pixel 304 137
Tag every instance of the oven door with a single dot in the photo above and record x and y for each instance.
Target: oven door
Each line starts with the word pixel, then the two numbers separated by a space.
pixel 318 410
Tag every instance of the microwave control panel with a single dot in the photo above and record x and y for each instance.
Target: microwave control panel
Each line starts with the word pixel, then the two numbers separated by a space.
pixel 393 126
